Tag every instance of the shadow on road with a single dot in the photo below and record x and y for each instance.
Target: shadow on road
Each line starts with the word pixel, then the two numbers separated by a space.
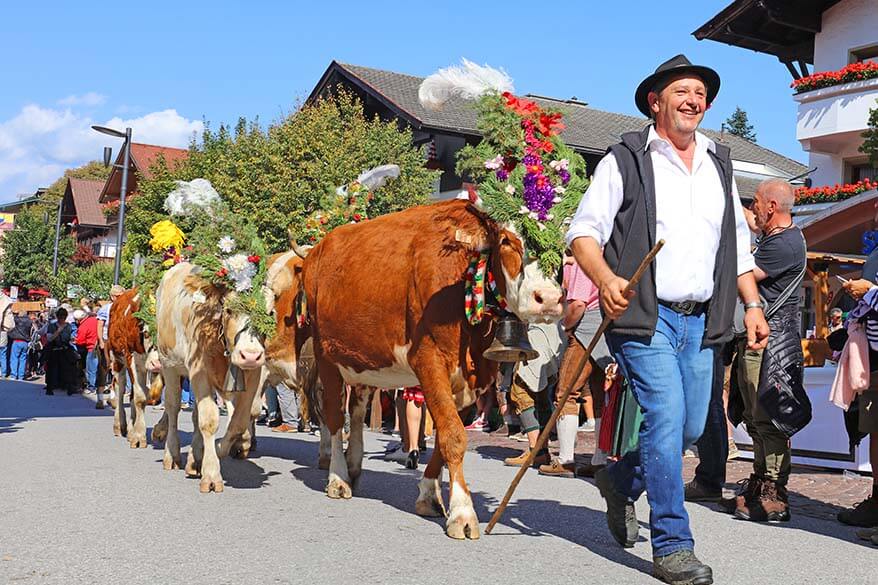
pixel 22 402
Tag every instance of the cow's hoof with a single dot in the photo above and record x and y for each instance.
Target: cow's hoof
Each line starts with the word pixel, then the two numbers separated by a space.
pixel 159 435
pixel 323 463
pixel 137 441
pixel 210 485
pixel 193 469
pixel 429 508
pixel 462 526
pixel 117 431
pixel 337 489
pixel 169 462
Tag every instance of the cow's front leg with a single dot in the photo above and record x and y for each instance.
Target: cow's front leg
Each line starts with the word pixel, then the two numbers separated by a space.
pixel 429 502
pixel 354 455
pixel 324 450
pixel 237 438
pixel 137 371
pixel 339 484
pixel 171 459
pixel 435 381
pixel 120 425
pixel 208 421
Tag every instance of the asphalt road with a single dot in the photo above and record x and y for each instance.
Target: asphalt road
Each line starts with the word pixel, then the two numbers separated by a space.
pixel 78 506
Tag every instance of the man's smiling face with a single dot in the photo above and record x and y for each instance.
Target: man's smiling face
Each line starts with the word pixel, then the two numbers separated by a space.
pixel 680 105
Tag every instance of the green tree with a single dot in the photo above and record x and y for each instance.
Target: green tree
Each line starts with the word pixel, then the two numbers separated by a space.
pixel 28 249
pixel 277 177
pixel 870 137
pixel 739 125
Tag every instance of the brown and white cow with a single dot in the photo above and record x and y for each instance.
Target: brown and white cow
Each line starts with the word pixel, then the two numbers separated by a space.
pixel 131 354
pixel 385 302
pixel 200 339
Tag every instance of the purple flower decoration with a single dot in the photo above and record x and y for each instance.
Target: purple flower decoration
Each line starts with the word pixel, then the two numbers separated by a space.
pixel 502 174
pixel 565 176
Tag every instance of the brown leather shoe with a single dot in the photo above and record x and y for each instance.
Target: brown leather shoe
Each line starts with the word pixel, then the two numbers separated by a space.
pixel 588 470
pixel 767 506
pixel 746 489
pixel 541 459
pixel 557 469
pixel 284 428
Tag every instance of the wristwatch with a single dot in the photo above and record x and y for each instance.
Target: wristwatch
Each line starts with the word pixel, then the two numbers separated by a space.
pixel 754 305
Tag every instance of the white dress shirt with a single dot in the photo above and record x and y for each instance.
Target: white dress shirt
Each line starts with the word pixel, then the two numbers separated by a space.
pixel 689 212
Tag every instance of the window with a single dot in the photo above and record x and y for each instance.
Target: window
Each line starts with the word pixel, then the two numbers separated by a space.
pixel 864 54
pixel 863 171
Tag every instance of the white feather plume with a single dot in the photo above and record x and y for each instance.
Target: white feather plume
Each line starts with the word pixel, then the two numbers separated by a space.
pixel 467 80
pixel 373 178
pixel 189 195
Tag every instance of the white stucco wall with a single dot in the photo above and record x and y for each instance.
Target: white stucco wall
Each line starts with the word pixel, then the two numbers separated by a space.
pixel 850 24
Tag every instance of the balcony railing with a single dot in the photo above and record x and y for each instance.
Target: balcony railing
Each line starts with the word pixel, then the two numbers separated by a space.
pixel 831 119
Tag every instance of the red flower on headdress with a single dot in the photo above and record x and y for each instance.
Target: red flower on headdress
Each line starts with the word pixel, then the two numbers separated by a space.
pixel 253 258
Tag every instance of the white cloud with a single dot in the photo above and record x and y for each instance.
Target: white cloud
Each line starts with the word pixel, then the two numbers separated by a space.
pixel 39 143
pixel 87 99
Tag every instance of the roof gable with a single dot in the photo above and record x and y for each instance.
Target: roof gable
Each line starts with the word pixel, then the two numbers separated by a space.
pixel 587 129
pixel 85 195
pixel 142 158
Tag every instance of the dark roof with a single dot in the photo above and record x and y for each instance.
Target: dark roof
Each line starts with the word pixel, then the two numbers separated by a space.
pixel 85 201
pixel 778 27
pixel 587 129
pixel 142 158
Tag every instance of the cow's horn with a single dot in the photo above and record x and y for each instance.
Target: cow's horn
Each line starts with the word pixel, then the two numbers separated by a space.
pixel 299 251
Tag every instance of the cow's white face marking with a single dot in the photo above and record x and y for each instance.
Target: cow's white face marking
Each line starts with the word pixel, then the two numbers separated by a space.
pixel 530 295
pixel 399 375
pixel 246 349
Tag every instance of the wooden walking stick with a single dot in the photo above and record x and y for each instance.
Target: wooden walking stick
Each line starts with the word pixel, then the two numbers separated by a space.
pixel 544 435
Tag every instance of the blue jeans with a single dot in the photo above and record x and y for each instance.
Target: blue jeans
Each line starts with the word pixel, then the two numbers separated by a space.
pixel 4 355
pixel 187 396
pixel 670 375
pixel 713 446
pixel 92 359
pixel 18 360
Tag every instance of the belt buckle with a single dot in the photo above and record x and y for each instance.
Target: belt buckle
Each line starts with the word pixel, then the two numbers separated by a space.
pixel 686 307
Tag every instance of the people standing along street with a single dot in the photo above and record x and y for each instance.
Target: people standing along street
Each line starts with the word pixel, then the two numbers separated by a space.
pixel 7 322
pixel 667 182
pixel 780 258
pixel 19 339
pixel 86 346
pixel 59 364
pixel 581 320
pixel 865 290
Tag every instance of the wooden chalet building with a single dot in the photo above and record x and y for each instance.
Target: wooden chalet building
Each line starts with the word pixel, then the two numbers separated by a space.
pixel 394 96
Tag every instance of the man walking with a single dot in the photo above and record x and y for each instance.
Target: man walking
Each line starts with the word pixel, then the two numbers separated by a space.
pixel 780 262
pixel 666 182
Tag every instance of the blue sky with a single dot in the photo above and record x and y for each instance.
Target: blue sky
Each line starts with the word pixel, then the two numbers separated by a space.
pixel 163 67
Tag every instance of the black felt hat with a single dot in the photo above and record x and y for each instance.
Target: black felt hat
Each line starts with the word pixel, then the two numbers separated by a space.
pixel 675 66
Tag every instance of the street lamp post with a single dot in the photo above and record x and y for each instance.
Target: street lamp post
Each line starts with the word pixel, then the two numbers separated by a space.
pixel 57 238
pixel 120 230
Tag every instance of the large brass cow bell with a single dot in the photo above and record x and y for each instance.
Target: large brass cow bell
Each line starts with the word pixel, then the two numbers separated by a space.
pixel 510 342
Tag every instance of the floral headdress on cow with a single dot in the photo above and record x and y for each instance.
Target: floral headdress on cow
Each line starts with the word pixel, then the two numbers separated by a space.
pixel 526 175
pixel 223 245
pixel 348 204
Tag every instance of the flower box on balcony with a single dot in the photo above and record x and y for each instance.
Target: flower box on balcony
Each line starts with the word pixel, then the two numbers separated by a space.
pixel 848 74
pixel 832 193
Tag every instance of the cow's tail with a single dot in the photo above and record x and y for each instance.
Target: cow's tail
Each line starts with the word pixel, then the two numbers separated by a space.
pixel 308 381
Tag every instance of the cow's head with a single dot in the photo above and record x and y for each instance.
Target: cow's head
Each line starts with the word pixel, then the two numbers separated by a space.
pixel 283 283
pixel 246 349
pixel 529 294
pixel 153 363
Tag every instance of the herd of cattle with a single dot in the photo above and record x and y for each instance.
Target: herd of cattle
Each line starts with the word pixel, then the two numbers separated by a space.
pixel 385 308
